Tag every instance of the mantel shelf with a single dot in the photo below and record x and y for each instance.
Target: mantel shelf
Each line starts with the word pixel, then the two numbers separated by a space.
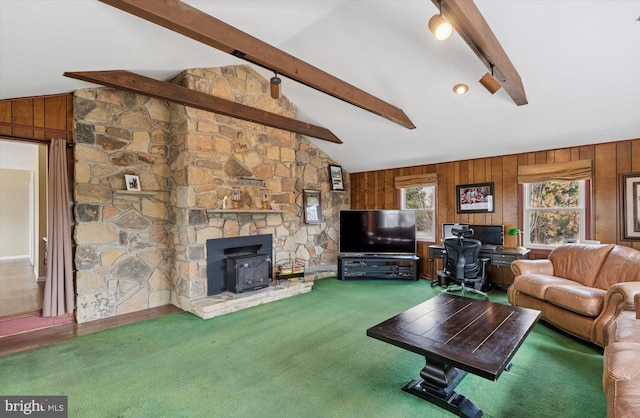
pixel 250 180
pixel 247 210
pixel 135 192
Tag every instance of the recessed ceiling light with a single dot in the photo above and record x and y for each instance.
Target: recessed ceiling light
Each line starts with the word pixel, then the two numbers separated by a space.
pixel 460 88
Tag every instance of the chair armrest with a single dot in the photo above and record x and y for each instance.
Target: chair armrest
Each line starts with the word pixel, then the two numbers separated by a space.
pixel 484 261
pixel 520 267
pixel 620 297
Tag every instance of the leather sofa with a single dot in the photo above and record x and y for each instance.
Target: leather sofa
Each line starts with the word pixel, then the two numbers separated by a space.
pixel 621 371
pixel 581 289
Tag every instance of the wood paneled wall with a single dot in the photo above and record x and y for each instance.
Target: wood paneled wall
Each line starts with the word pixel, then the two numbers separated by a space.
pixel 375 190
pixel 42 117
pixel 39 119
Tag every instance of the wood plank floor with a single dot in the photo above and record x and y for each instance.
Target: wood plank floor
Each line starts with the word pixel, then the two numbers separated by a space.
pixel 33 339
pixel 19 290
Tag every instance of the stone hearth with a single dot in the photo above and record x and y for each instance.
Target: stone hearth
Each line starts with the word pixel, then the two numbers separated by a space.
pixel 227 302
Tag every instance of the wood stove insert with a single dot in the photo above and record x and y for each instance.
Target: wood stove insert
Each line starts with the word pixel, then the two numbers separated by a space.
pixel 256 251
pixel 247 272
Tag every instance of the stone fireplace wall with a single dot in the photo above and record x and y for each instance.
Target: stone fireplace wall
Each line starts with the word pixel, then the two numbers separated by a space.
pixel 137 250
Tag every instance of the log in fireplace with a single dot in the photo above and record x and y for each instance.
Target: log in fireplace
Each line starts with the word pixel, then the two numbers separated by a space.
pixel 239 264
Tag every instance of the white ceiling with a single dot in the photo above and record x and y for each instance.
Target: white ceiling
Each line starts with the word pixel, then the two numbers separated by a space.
pixel 579 62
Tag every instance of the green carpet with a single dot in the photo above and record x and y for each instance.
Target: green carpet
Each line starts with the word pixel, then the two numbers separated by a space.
pixel 303 356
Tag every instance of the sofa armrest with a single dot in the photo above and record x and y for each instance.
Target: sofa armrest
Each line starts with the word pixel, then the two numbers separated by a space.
pixel 636 299
pixel 620 297
pixel 520 267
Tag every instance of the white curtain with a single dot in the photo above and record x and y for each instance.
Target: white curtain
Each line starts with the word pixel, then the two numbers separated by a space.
pixel 59 291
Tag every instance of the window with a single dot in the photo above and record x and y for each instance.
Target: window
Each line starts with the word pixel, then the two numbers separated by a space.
pixel 422 200
pixel 554 213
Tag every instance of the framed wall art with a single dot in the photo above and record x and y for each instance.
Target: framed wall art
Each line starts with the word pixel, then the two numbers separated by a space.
pixel 133 182
pixel 630 185
pixel 335 174
pixel 475 198
pixel 312 207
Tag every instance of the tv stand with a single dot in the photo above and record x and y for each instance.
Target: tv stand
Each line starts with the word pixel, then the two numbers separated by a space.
pixel 372 266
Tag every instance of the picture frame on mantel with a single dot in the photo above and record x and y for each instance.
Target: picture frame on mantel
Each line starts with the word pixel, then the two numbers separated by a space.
pixel 132 182
pixel 475 198
pixel 630 193
pixel 335 174
pixel 312 202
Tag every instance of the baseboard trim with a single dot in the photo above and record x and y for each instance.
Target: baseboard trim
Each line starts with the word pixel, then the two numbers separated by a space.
pixel 14 257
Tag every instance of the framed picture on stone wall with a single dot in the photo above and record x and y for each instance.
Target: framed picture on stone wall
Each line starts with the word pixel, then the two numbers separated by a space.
pixel 133 182
pixel 335 173
pixel 312 207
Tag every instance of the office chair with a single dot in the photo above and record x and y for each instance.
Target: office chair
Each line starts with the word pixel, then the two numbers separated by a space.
pixel 462 263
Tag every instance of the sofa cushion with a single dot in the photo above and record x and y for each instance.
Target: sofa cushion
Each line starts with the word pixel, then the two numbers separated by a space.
pixel 622 265
pixel 579 262
pixel 627 329
pixel 626 401
pixel 536 285
pixel 621 379
pixel 580 299
pixel 621 362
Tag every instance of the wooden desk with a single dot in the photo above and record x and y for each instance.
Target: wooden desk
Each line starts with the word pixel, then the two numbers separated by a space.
pixel 501 257
pixel 457 335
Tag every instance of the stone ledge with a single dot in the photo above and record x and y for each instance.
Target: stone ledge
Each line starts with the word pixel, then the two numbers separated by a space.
pixel 225 211
pixel 227 302
pixel 138 192
pixel 321 271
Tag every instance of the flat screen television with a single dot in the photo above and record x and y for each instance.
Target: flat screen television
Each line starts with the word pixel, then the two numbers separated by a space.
pixel 378 232
pixel 488 234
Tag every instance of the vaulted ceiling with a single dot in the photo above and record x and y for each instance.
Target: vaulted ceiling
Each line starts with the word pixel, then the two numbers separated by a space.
pixel 579 62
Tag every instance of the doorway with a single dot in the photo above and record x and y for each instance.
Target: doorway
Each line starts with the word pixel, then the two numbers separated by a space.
pixel 23 227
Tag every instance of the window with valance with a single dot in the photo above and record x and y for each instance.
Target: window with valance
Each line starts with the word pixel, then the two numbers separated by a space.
pixel 418 192
pixel 555 202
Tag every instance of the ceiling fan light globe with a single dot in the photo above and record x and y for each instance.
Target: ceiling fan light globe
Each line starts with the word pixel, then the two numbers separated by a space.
pixel 440 27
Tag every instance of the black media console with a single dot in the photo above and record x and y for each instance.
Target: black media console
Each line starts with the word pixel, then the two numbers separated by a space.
pixel 352 267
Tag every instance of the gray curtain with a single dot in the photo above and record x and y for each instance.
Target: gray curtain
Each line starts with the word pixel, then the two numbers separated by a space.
pixel 59 291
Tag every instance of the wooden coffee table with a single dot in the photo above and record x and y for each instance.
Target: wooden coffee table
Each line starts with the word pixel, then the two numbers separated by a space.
pixel 457 335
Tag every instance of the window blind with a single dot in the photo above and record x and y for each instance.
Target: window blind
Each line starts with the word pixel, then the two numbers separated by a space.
pixel 416 180
pixel 566 171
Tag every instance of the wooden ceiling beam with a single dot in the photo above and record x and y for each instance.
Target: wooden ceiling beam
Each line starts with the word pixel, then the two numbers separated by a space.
pixel 139 84
pixel 195 24
pixel 467 20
